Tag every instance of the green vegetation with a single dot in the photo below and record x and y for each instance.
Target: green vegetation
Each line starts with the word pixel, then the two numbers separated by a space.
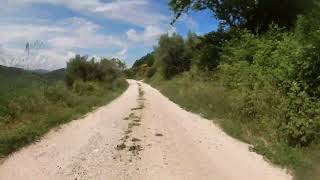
pixel 31 103
pixel 54 76
pixel 255 15
pixel 173 55
pixel 262 88
pixel 142 67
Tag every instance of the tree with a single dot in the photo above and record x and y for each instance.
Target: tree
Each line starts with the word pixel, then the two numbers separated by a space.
pixel 108 70
pixel 255 15
pixel 147 59
pixel 141 65
pixel 76 69
pixel 172 55
pixel 120 64
pixel 192 41
pixel 308 33
pixel 82 69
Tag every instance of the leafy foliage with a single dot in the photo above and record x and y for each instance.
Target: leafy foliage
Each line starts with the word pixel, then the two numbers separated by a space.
pixel 252 63
pixel 172 55
pixel 147 59
pixel 142 67
pixel 80 69
pixel 206 55
pixel 308 32
pixel 252 14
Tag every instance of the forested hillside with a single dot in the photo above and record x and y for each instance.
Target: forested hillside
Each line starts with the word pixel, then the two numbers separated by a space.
pixel 257 75
pixel 32 103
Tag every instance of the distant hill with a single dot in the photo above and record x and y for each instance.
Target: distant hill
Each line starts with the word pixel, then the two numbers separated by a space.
pixel 15 81
pixel 55 75
pixel 11 77
pixel 4 70
pixel 40 71
pixel 17 78
pixel 26 60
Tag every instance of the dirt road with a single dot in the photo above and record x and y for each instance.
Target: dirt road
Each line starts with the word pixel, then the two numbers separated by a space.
pixel 140 135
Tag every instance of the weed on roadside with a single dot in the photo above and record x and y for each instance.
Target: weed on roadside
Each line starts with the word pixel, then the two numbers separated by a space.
pixel 158 134
pixel 121 146
pixel 135 139
pixel 135 149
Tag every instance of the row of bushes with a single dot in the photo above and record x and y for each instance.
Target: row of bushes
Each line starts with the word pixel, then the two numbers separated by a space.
pixel 81 68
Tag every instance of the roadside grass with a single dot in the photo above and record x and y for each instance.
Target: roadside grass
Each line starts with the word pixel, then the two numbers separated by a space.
pixel 28 113
pixel 212 101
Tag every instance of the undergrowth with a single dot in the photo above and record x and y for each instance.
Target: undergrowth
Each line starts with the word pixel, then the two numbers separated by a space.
pixel 213 101
pixel 33 112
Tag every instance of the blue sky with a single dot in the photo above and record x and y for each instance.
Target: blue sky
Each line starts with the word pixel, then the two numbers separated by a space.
pixel 125 29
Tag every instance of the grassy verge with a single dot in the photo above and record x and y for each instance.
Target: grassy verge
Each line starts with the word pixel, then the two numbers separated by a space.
pixel 29 112
pixel 213 101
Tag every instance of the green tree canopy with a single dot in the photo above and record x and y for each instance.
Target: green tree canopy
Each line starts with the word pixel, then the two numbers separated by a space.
pixel 80 68
pixel 252 14
pixel 172 55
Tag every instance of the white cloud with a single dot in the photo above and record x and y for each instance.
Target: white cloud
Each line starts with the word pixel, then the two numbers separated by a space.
pixel 122 54
pixel 83 34
pixel 16 32
pixel 59 40
pixel 149 35
pixel 190 23
pixel 67 34
pixel 42 59
pixel 137 12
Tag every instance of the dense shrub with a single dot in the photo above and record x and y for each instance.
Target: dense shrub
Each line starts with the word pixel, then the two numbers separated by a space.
pixel 276 60
pixel 76 70
pixel 141 67
pixel 308 33
pixel 85 88
pixel 14 109
pixel 147 59
pixel 302 123
pixel 59 93
pixel 80 68
pixel 151 71
pixel 172 55
pixel 206 55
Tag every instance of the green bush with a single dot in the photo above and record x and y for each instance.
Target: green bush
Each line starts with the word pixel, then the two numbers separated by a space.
pixel 308 68
pixel 59 93
pixel 81 69
pixel 172 56
pixel 76 69
pixel 151 71
pixel 107 71
pixel 14 109
pixel 252 64
pixel 206 55
pixel 85 88
pixel 302 125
